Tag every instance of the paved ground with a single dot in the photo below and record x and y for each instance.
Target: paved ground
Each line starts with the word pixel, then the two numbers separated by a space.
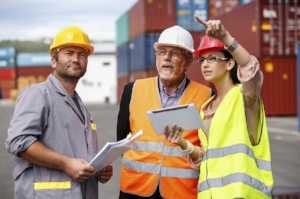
pixel 284 138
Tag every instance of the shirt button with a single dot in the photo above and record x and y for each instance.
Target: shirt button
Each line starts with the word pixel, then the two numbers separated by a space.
pixel 89 152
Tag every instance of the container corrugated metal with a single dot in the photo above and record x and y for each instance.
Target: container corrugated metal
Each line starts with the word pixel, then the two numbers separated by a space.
pixel 123 66
pixel 279 90
pixel 33 59
pixel 185 14
pixel 34 71
pixel 142 53
pixel 267 28
pixel 245 31
pixel 142 74
pixel 280 27
pixel 122 27
pixel 7 52
pixel 7 62
pixel 242 2
pixel 148 16
pixel 220 7
pixel 7 83
pixel 7 73
pixel 185 11
pixel 122 81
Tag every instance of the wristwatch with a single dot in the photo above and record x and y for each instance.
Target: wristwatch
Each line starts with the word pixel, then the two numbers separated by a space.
pixel 233 46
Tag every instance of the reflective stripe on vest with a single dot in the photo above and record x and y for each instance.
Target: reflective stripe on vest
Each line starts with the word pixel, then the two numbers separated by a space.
pixel 157 147
pixel 155 168
pixel 52 185
pixel 238 148
pixel 232 178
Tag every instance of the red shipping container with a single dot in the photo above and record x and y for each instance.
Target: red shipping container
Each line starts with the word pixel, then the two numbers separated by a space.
pixel 220 7
pixel 7 83
pixel 34 71
pixel 7 73
pixel 150 16
pixel 266 28
pixel 279 91
pixel 122 81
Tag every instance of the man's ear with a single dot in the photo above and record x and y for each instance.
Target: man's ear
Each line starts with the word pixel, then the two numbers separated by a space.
pixel 54 62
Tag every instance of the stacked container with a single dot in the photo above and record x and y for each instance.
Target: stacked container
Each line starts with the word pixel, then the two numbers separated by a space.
pixel 270 30
pixel 7 70
pixel 32 68
pixel 143 22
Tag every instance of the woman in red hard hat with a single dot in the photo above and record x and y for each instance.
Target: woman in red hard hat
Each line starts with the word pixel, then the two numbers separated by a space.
pixel 234 159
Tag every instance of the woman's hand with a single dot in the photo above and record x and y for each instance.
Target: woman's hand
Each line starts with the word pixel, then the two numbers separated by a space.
pixel 174 134
pixel 214 28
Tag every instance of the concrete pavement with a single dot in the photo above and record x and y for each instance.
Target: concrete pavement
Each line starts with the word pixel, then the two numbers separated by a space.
pixel 283 131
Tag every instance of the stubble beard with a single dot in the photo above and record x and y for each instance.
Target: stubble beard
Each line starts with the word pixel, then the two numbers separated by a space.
pixel 69 75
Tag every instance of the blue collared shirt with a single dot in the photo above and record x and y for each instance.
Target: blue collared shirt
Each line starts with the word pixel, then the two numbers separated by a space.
pixel 170 100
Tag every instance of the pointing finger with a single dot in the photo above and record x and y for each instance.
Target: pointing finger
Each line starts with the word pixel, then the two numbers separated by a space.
pixel 200 21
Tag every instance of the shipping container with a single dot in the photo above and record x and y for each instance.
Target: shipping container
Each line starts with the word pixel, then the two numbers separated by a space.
pixel 123 59
pixel 33 59
pixel 122 27
pixel 279 91
pixel 242 2
pixel 185 11
pixel 7 52
pixel 6 62
pixel 7 73
pixel 141 52
pixel 148 16
pixel 34 71
pixel 220 7
pixel 7 83
pixel 122 80
pixel 268 27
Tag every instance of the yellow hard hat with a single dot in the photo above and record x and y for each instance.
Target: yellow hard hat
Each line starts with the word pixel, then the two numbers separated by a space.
pixel 71 36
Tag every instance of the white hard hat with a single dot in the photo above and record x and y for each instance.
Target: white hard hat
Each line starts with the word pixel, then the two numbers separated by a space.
pixel 176 36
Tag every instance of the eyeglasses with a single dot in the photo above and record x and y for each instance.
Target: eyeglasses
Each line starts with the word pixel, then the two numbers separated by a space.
pixel 163 52
pixel 211 59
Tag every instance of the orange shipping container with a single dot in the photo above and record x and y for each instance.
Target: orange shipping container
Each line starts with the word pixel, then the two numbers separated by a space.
pixel 150 16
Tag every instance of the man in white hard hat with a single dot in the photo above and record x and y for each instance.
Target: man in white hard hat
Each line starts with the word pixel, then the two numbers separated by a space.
pixel 52 135
pixel 155 168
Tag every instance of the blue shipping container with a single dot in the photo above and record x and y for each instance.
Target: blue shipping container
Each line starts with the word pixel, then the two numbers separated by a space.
pixel 33 59
pixel 186 9
pixel 242 2
pixel 142 53
pixel 7 52
pixel 7 62
pixel 123 59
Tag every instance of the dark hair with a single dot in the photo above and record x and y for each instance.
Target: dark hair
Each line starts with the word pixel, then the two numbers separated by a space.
pixel 233 72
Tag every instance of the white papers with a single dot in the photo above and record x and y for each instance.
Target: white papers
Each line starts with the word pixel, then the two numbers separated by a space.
pixel 112 150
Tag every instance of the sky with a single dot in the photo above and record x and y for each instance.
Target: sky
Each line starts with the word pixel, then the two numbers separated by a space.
pixel 36 19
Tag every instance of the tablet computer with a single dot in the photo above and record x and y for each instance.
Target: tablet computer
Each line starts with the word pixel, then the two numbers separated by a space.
pixel 186 116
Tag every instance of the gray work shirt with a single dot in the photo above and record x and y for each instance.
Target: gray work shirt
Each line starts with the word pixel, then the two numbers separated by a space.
pixel 47 113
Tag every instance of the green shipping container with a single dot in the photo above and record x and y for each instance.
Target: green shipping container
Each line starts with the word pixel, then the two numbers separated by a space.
pixel 122 29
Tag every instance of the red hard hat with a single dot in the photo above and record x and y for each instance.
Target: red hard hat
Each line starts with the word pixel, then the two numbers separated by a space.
pixel 208 43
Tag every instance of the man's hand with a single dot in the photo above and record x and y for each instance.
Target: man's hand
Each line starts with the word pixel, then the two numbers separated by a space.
pixel 105 174
pixel 79 169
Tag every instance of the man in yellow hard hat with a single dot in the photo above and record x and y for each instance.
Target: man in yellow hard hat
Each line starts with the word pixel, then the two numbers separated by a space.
pixel 52 134
pixel 155 168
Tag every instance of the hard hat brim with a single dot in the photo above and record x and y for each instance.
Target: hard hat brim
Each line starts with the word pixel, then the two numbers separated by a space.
pixel 88 47
pixel 156 44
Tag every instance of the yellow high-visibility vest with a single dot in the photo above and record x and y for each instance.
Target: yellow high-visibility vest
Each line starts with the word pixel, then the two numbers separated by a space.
pixel 232 167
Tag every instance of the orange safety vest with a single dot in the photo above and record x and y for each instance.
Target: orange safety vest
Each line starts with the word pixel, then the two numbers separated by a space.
pixel 153 160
